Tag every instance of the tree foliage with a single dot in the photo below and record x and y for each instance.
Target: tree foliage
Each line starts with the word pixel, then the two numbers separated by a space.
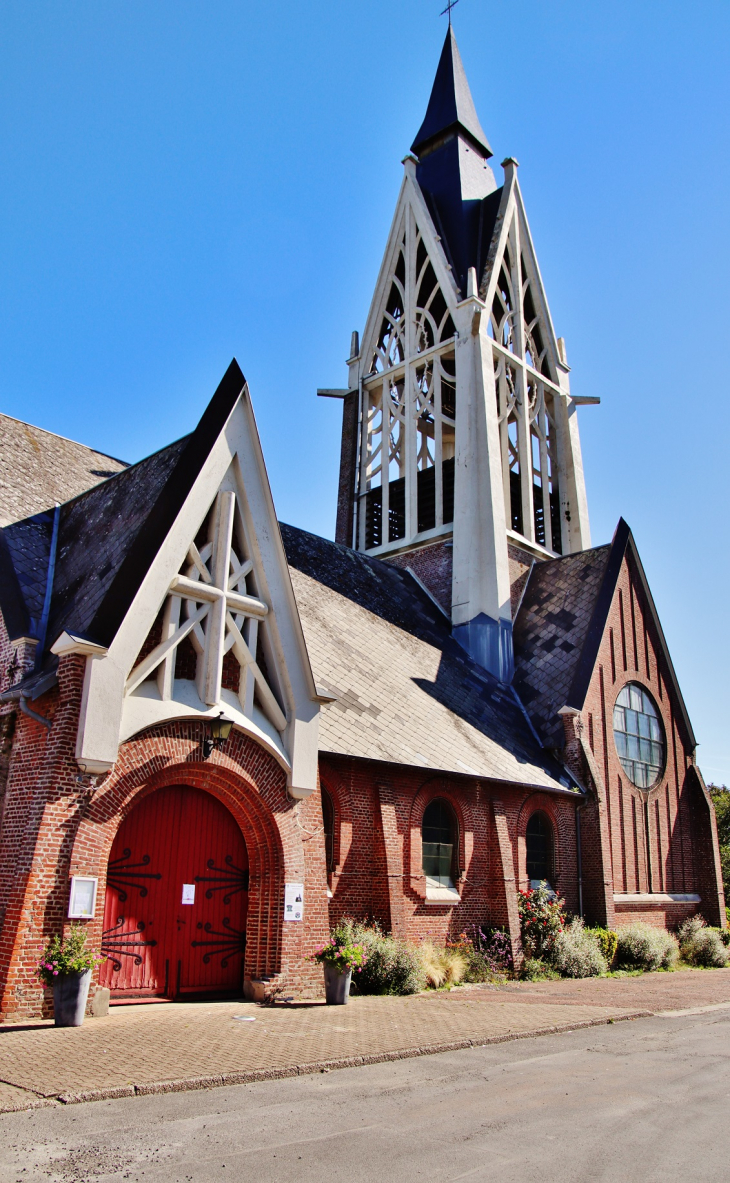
pixel 721 800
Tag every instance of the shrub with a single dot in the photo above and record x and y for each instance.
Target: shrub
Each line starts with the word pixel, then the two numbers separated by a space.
pixel 488 953
pixel 642 947
pixel 724 934
pixel 608 942
pixel 576 952
pixel 442 966
pixel 700 945
pixel 536 970
pixel 342 954
pixel 709 949
pixel 541 919
pixel 391 966
pixel 70 956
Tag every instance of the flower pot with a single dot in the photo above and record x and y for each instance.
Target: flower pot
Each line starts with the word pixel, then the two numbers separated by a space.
pixel 69 999
pixel 336 985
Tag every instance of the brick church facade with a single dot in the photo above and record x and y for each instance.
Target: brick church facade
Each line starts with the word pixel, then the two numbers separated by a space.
pixel 220 734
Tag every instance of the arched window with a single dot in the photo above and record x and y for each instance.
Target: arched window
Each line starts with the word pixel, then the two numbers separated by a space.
pixel 438 839
pixel 328 821
pixel 539 842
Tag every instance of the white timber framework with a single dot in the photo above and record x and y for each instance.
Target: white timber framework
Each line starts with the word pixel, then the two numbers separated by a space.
pixel 408 384
pixel 214 605
pixel 528 392
pixel 408 381
pixel 214 602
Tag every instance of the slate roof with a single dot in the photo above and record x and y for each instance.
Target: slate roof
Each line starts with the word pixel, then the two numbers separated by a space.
pixel 550 634
pixel 450 105
pixel 38 469
pixel 107 537
pixel 464 208
pixel 405 692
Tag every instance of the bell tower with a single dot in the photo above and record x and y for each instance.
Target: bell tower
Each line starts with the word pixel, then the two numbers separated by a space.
pixel 460 449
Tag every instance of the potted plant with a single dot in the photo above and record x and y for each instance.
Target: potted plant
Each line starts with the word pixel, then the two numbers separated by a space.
pixel 66 966
pixel 339 959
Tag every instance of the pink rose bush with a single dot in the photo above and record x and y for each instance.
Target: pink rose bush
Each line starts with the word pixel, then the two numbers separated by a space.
pixel 66 956
pixel 345 955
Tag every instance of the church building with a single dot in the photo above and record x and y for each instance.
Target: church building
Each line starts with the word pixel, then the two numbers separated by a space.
pixel 220 734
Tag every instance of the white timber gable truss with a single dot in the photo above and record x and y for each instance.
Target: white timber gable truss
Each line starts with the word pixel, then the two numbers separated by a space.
pixel 214 627
pixel 542 470
pixel 406 376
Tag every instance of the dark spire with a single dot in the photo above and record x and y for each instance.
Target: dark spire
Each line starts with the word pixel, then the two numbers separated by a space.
pixel 451 107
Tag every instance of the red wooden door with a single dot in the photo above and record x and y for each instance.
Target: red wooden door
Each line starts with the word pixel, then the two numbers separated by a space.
pixel 177 844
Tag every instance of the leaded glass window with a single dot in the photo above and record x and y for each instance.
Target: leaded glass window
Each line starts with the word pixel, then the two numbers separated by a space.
pixel 639 736
pixel 438 836
pixel 539 843
pixel 328 821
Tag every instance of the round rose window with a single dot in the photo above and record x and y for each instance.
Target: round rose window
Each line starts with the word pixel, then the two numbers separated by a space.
pixel 639 736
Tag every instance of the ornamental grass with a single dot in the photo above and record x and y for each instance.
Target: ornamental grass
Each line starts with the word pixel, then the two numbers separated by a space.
pixel 441 965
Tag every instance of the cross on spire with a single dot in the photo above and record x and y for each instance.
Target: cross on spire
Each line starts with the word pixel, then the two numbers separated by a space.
pixel 450 4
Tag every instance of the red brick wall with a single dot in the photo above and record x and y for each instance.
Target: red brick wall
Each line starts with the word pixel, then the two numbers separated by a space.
pixel 43 807
pixel 520 565
pixel 378 873
pixel 57 824
pixel 434 567
pixel 660 840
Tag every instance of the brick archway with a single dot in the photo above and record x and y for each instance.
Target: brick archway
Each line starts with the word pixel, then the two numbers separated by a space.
pixel 428 792
pixel 254 817
pixel 541 803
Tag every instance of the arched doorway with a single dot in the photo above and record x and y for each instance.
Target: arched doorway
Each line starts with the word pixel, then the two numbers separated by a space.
pixel 176 896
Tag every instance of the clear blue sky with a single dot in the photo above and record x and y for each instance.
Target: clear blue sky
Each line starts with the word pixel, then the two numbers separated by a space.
pixel 185 182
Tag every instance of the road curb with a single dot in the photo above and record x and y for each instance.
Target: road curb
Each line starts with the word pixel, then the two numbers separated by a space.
pixel 255 1075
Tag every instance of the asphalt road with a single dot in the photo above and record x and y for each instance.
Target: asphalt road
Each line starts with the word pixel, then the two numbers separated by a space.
pixel 644 1100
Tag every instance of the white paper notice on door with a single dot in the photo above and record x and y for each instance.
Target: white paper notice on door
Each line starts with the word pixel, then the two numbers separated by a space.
pixel 188 895
pixel 293 901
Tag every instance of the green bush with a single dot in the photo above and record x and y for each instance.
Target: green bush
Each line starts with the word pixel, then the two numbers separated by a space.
pixel 576 952
pixel 534 969
pixel 391 966
pixel 724 934
pixel 642 947
pixel 721 801
pixel 700 945
pixel 608 942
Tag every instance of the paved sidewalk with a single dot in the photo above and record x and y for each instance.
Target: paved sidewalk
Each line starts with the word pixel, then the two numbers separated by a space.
pixel 158 1048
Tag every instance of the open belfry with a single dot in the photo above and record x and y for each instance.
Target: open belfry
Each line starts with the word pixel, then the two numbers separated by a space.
pixel 220 734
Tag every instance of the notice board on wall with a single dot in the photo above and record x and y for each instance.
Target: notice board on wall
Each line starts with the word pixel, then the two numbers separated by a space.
pixel 293 901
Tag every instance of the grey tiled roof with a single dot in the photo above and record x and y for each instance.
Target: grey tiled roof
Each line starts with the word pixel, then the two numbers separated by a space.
pixel 550 633
pixel 96 530
pixel 38 469
pixel 108 536
pixel 405 692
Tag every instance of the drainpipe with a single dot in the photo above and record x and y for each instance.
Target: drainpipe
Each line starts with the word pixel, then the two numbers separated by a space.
pixel 647 833
pixel 23 704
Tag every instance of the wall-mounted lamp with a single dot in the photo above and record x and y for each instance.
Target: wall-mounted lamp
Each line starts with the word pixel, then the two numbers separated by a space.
pixel 220 729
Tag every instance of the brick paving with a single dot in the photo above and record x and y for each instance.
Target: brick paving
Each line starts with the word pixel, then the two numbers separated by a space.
pixel 187 1045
